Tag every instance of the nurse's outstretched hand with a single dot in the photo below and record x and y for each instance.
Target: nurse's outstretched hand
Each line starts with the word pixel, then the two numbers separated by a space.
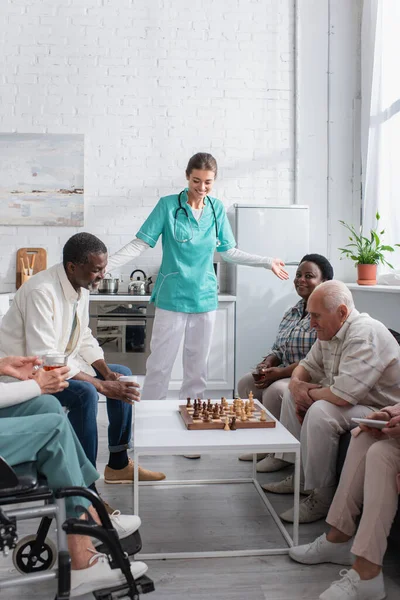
pixel 277 268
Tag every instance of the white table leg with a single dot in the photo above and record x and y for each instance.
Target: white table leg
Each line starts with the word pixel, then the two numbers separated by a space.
pixel 136 484
pixel 254 466
pixel 297 467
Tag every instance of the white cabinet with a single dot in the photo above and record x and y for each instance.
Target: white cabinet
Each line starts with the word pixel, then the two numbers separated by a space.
pixel 221 360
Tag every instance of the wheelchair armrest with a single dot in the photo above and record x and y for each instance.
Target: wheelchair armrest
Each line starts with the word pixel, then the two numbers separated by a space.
pixel 18 480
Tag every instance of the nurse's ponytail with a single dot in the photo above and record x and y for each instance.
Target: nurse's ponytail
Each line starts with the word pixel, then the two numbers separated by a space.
pixel 203 161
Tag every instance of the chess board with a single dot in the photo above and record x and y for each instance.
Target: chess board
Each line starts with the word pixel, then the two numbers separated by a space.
pixel 252 422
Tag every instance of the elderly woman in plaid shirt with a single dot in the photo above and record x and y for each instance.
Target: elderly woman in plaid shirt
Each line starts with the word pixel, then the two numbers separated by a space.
pixel 294 340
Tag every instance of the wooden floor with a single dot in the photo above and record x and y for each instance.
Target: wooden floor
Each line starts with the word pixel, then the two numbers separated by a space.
pixel 214 517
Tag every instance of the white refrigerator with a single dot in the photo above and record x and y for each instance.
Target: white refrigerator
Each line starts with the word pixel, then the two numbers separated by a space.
pixel 262 298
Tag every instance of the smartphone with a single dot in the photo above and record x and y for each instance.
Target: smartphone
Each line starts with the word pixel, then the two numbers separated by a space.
pixel 371 423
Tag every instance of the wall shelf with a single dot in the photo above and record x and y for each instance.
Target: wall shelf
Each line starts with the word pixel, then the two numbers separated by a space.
pixel 388 289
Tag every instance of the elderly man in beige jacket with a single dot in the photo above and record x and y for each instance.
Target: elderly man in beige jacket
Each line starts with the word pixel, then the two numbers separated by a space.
pixel 353 368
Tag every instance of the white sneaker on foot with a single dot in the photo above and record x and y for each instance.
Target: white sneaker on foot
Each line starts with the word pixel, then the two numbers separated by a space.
pixel 323 551
pixel 124 525
pixel 100 575
pixel 250 456
pixel 313 508
pixel 269 464
pixel 351 587
pixel 286 486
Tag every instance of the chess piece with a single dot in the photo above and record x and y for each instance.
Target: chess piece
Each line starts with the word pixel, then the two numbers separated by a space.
pixel 263 416
pixel 243 415
pixel 205 416
pixel 227 428
pixel 233 424
pixel 196 413
pixel 209 407
pixel 188 403
pixel 251 396
pixel 215 412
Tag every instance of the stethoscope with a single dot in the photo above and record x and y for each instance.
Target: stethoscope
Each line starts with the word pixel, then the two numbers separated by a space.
pixel 180 207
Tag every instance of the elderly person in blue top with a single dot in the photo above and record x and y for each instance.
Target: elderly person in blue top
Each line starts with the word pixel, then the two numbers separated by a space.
pixel 294 340
pixel 34 428
pixel 192 225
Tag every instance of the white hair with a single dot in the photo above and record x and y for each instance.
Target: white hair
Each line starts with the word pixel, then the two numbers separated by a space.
pixel 334 293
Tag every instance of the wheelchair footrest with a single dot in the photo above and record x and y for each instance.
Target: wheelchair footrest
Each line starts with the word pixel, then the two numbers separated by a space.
pixel 131 545
pixel 144 586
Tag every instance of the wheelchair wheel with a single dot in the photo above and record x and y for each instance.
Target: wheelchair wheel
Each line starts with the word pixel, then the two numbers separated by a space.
pixel 24 562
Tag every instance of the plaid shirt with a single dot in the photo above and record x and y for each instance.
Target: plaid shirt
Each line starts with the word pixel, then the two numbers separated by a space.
pixel 295 337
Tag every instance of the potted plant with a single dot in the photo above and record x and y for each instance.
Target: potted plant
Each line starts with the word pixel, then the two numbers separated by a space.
pixel 366 252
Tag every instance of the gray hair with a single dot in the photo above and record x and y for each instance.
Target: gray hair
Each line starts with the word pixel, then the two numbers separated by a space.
pixel 334 293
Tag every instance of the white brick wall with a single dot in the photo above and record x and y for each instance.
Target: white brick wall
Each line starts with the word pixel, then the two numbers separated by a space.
pixel 149 83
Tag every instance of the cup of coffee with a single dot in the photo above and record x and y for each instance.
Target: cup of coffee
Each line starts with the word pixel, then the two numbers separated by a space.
pixel 54 360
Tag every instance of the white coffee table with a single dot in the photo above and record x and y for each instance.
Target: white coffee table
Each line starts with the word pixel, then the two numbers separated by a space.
pixel 159 430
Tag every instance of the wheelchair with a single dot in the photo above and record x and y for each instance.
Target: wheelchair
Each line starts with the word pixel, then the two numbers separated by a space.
pixel 34 556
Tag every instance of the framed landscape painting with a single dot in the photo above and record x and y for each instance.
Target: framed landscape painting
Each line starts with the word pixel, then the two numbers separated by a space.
pixel 41 179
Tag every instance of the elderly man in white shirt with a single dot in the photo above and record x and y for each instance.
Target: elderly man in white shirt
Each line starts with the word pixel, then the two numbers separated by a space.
pixel 50 312
pixel 353 368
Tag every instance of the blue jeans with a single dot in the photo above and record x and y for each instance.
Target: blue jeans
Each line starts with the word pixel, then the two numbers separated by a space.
pixel 81 398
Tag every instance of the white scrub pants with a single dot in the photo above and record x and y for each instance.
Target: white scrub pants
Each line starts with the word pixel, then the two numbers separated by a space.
pixel 168 329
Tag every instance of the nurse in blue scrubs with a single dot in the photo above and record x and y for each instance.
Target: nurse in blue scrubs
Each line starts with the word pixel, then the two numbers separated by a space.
pixel 192 225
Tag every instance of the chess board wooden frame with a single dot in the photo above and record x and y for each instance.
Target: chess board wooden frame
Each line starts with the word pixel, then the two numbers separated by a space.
pixel 200 425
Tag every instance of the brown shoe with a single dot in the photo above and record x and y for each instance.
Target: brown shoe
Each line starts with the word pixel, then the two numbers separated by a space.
pixel 125 475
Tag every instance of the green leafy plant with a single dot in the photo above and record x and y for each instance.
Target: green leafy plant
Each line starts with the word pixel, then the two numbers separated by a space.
pixel 366 250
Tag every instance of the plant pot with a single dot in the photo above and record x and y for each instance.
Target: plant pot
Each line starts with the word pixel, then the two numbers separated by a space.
pixel 366 274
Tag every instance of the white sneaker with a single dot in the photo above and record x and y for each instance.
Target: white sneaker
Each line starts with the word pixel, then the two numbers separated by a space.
pixel 351 587
pixel 313 508
pixel 286 486
pixel 100 575
pixel 323 551
pixel 124 525
pixel 250 456
pixel 269 464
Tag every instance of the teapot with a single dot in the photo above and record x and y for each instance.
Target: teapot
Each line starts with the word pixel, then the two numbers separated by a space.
pixel 137 287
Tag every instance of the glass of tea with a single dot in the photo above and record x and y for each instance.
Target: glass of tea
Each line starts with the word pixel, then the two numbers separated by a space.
pixel 54 360
pixel 259 373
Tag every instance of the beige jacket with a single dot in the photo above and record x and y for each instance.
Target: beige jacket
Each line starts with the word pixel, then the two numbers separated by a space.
pixel 40 321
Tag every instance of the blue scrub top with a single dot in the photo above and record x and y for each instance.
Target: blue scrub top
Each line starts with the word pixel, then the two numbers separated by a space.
pixel 186 281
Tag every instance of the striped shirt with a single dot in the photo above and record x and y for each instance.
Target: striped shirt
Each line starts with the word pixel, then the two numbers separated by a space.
pixel 360 364
pixel 295 337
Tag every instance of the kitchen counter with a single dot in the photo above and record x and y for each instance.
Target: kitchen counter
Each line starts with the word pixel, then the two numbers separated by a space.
pixel 124 297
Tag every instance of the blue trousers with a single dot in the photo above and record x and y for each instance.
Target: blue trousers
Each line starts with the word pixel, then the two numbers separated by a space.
pixel 81 398
pixel 38 430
